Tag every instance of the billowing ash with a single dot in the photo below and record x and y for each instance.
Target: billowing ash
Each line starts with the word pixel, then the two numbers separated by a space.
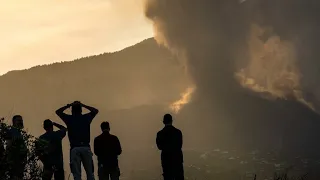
pixel 271 44
pixel 238 52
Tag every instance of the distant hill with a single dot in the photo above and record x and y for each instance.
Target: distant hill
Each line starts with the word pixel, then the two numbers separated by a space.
pixel 144 74
pixel 132 89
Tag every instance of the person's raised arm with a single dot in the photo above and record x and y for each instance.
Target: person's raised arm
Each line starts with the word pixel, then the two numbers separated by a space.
pixel 93 111
pixel 62 130
pixel 60 112
pixel 61 127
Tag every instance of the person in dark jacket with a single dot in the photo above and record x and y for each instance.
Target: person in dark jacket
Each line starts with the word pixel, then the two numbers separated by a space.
pixel 169 141
pixel 16 148
pixel 107 148
pixel 49 148
pixel 78 125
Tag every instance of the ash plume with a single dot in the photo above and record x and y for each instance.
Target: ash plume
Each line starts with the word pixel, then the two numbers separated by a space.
pixel 238 52
pixel 272 43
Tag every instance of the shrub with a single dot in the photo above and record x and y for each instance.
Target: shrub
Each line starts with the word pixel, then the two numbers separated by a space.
pixel 10 158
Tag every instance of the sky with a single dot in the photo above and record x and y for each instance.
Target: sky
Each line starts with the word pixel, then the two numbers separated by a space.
pixel 35 32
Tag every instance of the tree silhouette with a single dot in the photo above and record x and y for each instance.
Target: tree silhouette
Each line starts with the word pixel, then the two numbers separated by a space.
pixel 32 170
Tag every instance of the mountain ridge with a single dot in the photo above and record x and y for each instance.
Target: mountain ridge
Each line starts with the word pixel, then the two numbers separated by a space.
pixel 148 40
pixel 143 74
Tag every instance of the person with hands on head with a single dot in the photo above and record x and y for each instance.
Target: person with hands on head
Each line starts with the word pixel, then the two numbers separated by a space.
pixel 49 150
pixel 78 125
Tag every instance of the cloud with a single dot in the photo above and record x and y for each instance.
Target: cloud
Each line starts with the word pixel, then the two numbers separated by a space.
pixel 255 65
pixel 272 44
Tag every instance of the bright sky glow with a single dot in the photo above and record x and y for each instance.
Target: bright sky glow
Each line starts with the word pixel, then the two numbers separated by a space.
pixel 37 32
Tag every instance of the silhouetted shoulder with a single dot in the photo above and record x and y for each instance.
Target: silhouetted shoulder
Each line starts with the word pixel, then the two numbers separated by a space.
pixel 160 133
pixel 178 130
pixel 98 137
pixel 113 136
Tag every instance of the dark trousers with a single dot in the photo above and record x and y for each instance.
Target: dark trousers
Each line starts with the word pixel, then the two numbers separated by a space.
pixel 55 170
pixel 78 156
pixel 106 173
pixel 173 171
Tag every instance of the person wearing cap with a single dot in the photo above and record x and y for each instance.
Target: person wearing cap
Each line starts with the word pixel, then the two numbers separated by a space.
pixel 78 125
pixel 169 141
pixel 49 150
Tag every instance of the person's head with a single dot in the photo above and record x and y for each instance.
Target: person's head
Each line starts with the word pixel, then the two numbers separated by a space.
pixel 48 125
pixel 17 121
pixel 105 126
pixel 76 108
pixel 167 119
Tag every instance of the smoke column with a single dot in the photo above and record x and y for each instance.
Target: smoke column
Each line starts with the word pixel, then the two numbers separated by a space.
pixel 224 37
pixel 239 52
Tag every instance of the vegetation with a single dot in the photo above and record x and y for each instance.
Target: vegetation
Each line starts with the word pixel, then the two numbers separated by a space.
pixel 32 170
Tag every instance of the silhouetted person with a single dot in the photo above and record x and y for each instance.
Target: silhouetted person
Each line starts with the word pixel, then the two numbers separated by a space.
pixel 107 148
pixel 169 141
pixel 16 148
pixel 78 125
pixel 50 150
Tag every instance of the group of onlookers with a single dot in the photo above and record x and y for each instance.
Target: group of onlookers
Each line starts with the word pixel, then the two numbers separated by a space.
pixel 107 147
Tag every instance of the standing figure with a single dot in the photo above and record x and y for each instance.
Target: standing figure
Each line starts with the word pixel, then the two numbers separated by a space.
pixel 49 148
pixel 169 141
pixel 107 148
pixel 78 125
pixel 16 149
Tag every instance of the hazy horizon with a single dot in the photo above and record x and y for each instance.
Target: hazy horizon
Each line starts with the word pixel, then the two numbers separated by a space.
pixel 44 32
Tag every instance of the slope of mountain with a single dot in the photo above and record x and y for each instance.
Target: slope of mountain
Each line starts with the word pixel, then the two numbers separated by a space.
pixel 139 75
pixel 133 87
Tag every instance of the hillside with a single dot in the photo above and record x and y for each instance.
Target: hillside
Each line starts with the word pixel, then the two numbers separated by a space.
pixel 139 75
pixel 133 87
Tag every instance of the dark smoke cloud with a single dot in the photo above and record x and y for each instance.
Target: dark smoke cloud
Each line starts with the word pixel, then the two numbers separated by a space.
pixel 266 46
pixel 216 36
pixel 207 32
